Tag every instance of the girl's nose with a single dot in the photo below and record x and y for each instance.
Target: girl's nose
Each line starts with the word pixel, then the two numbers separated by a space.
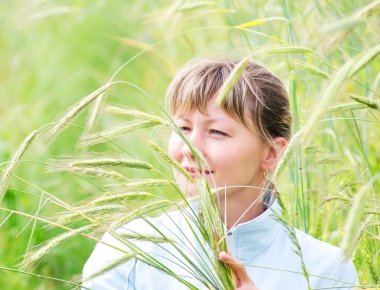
pixel 196 141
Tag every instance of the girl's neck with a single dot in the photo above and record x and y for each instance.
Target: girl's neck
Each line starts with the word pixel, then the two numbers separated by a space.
pixel 240 207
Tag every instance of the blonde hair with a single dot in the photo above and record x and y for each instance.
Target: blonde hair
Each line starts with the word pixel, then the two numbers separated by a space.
pixel 258 95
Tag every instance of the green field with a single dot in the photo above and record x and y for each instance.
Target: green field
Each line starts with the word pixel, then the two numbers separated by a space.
pixel 55 53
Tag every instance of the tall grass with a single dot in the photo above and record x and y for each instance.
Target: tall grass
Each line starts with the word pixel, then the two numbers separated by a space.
pixel 327 52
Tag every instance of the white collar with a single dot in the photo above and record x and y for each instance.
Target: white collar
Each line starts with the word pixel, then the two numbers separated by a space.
pixel 251 238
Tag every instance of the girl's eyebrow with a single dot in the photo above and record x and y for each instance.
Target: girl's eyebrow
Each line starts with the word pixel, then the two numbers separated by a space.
pixel 208 120
pixel 215 120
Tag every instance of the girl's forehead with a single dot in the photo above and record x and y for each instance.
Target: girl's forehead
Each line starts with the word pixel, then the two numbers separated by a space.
pixel 188 105
pixel 213 113
pixel 209 110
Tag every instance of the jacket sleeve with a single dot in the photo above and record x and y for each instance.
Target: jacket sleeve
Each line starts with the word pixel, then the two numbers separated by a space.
pixel 110 253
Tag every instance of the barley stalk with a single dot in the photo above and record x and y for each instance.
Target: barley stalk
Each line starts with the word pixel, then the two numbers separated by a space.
pixel 285 49
pixel 128 196
pixel 147 183
pixel 371 267
pixel 364 59
pixel 306 132
pixel 312 69
pixel 136 114
pixel 94 113
pixel 72 283
pixel 94 211
pixel 123 259
pixel 213 231
pixel 13 163
pixel 283 218
pixel 171 161
pixel 73 112
pixel 196 5
pixel 347 107
pixel 105 135
pixel 147 237
pixel 231 80
pixel 148 48
pixel 109 162
pixel 354 219
pixel 35 255
pixel 366 102
pixel 92 171
pixel 156 207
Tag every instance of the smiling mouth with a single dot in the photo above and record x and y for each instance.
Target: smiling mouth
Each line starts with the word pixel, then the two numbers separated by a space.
pixel 194 171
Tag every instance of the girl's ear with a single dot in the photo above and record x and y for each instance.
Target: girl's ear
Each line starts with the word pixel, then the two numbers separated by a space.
pixel 274 153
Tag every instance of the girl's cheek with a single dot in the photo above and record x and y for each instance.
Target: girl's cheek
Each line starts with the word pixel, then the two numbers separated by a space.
pixel 174 146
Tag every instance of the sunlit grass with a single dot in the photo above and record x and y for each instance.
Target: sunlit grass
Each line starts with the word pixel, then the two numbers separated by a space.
pixel 57 53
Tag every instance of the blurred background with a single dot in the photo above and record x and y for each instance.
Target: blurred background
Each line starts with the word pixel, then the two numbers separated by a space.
pixel 54 53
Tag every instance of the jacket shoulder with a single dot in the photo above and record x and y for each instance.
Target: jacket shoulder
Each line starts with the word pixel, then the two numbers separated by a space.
pixel 325 260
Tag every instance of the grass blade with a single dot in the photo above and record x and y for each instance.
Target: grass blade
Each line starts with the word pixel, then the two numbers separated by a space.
pixel 260 21
pixel 365 59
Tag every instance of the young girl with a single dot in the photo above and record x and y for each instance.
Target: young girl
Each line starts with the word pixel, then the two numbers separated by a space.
pixel 241 141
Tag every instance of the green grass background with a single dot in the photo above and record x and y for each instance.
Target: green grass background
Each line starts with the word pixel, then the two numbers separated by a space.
pixel 53 53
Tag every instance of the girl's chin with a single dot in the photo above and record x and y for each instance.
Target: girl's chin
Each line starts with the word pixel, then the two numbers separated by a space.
pixel 191 189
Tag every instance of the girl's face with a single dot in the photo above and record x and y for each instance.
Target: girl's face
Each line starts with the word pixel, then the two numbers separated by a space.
pixel 235 155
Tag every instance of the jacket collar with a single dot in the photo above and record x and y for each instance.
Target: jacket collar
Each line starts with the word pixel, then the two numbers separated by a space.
pixel 250 239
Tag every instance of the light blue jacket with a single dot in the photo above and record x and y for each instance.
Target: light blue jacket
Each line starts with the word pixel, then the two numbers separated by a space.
pixel 262 245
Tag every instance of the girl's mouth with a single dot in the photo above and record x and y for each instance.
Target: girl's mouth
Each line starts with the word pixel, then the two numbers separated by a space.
pixel 195 171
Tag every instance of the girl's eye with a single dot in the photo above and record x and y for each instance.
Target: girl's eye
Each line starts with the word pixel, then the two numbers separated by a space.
pixel 185 129
pixel 217 132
